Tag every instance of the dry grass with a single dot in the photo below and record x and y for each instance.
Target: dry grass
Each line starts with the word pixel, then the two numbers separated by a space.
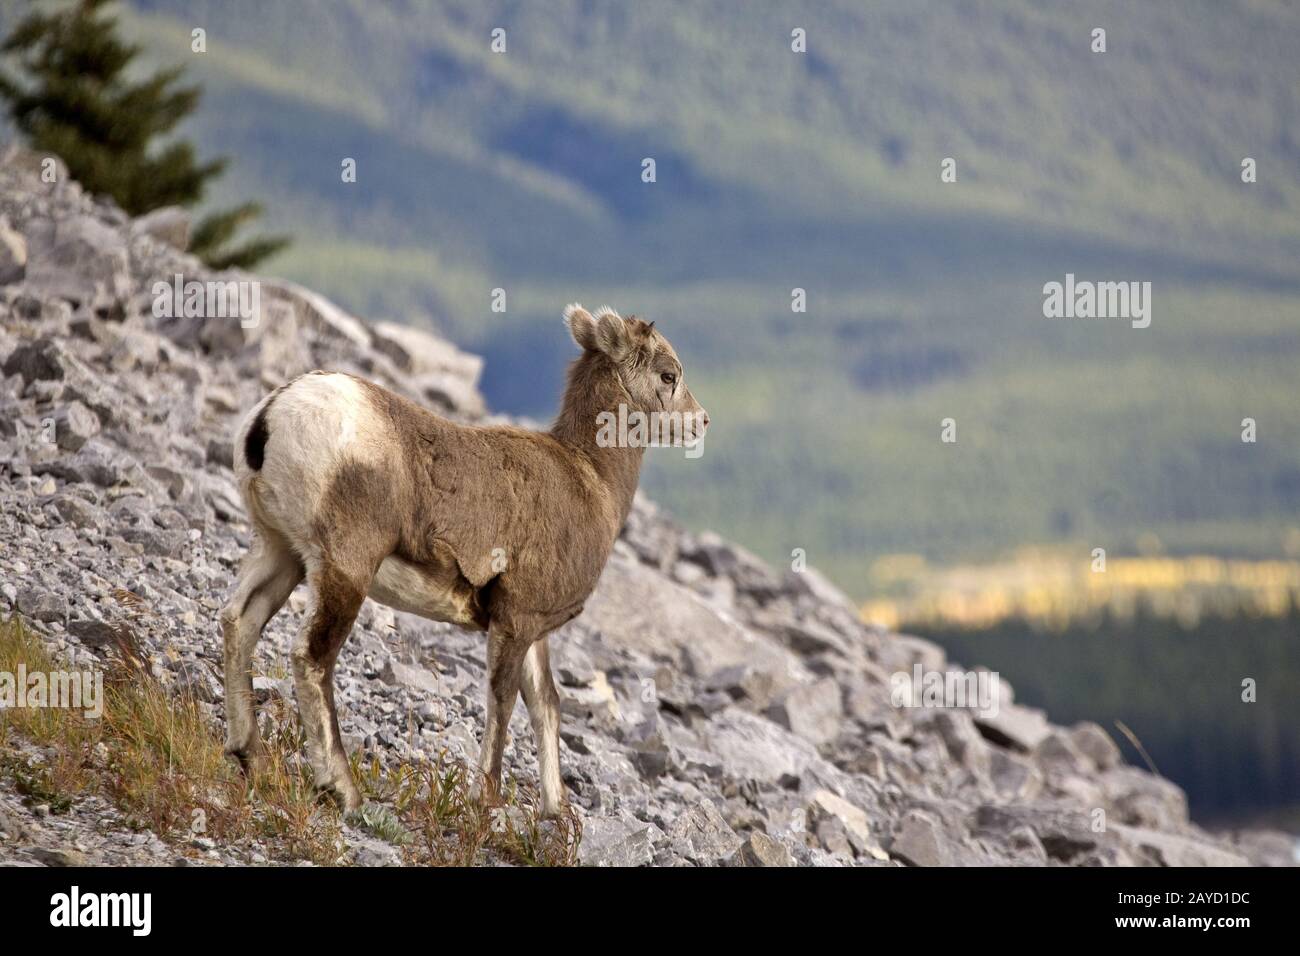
pixel 158 757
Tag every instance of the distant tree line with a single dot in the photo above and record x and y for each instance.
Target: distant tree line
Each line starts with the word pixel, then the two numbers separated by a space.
pixel 1179 689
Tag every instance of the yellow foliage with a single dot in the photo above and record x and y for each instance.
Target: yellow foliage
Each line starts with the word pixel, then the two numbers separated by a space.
pixel 1054 588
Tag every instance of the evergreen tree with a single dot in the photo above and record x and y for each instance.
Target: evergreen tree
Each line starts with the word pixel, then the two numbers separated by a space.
pixel 77 103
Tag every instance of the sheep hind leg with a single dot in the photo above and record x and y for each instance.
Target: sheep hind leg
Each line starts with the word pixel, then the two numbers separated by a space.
pixel 336 599
pixel 543 702
pixel 269 576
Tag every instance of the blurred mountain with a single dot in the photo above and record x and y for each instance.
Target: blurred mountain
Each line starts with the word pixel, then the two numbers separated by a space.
pixel 820 170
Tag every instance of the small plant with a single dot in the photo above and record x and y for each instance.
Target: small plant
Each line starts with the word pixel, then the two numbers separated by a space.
pixel 380 821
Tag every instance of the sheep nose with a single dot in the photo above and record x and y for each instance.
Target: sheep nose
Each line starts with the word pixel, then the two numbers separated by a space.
pixel 706 419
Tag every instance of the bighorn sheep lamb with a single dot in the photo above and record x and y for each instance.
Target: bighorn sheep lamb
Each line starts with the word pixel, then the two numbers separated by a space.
pixel 493 528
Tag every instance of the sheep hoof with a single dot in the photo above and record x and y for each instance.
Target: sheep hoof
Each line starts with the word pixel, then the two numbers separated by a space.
pixel 345 796
pixel 249 758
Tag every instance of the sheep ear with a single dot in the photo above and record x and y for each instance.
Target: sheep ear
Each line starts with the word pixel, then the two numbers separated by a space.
pixel 612 334
pixel 582 327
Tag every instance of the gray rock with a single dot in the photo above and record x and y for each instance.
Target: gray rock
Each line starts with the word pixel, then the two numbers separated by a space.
pixel 1014 777
pixel 94 463
pixel 221 452
pixel 703 836
pixel 639 610
pixel 79 259
pixel 648 749
pixel 752 748
pixel 93 631
pixel 78 512
pixel 42 360
pixel 1057 753
pixel 806 636
pixel 58 856
pixel 169 224
pixel 813 711
pixel 1267 847
pixel 721 558
pixel 1143 799
pixel 42 605
pixel 414 350
pixel 615 841
pixel 74 425
pixel 833 837
pixel 852 821
pixel 176 481
pixel 814 586
pixel 1015 726
pixel 759 849
pixel 916 650
pixel 1095 744
pixel 1066 833
pixel 1024 842
pixel 919 840
pixel 1168 849
pixel 963 741
pixel 13 254
pixel 168 544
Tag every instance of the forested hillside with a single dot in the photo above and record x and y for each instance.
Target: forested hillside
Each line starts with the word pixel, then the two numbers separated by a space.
pixel 778 170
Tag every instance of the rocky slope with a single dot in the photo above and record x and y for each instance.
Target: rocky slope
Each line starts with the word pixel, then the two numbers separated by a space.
pixel 715 711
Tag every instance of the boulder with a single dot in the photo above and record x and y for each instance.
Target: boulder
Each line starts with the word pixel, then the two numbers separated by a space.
pixel 1168 849
pixel 41 604
pixel 919 840
pixel 637 609
pixel 702 836
pixel 74 425
pixel 1143 799
pixel 410 677
pixel 752 748
pixel 413 349
pixel 812 585
pixel 721 558
pixel 1093 742
pixel 759 849
pixel 46 359
pixel 813 711
pixel 169 224
pixel 1021 728
pixel 853 820
pixel 1065 832
pixel 963 741
pixel 615 841
pixel 78 259
pixel 1014 778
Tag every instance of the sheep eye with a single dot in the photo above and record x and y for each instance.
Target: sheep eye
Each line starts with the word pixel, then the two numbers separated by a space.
pixel 668 378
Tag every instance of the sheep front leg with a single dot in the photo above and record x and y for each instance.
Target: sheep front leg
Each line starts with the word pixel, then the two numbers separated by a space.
pixel 505 662
pixel 543 702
